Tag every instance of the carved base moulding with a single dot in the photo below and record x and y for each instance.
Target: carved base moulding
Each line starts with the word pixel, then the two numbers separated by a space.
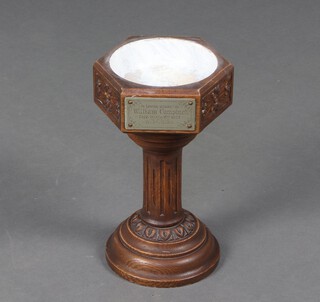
pixel 163 257
pixel 162 103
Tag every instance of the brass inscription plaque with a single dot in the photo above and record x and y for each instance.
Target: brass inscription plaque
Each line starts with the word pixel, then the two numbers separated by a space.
pixel 143 113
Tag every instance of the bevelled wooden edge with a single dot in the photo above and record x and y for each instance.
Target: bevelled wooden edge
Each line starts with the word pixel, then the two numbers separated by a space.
pixel 162 264
pixel 105 65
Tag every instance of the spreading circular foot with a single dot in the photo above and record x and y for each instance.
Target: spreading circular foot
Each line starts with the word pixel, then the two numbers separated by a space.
pixel 162 256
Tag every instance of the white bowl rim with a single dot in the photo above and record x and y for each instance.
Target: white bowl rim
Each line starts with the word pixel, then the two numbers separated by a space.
pixel 163 61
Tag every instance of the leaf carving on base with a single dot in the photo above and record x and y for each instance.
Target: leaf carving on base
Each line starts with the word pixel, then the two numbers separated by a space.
pixel 152 233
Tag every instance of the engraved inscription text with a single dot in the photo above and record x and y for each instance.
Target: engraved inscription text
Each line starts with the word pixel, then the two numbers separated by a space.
pixel 142 113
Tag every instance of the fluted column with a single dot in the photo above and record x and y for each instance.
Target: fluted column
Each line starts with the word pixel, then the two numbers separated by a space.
pixel 162 177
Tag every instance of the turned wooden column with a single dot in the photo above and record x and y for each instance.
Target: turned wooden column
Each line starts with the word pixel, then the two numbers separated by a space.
pixel 162 187
pixel 162 164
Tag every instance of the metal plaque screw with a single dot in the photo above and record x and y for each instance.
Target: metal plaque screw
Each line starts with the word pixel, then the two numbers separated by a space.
pixel 130 124
pixel 190 103
pixel 130 102
pixel 189 125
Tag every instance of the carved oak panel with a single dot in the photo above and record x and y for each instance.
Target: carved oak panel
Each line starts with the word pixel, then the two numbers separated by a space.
pixel 216 100
pixel 107 97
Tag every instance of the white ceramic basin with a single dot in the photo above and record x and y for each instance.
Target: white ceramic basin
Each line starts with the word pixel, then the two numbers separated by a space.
pixel 163 62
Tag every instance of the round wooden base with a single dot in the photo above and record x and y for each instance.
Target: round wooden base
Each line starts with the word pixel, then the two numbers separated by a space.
pixel 173 256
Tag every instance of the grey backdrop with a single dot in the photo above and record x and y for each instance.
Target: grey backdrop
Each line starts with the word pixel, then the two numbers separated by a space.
pixel 68 176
